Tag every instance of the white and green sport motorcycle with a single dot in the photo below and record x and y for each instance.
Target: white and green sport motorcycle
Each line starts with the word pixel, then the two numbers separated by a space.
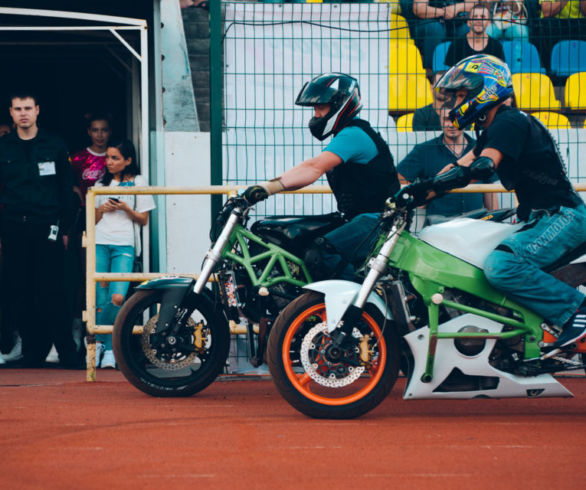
pixel 426 308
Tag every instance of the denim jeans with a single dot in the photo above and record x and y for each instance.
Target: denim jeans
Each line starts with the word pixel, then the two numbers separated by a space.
pixel 353 241
pixel 518 273
pixel 111 258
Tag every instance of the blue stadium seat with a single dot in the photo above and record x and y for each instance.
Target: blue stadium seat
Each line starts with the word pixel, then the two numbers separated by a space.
pixel 522 57
pixel 439 57
pixel 568 57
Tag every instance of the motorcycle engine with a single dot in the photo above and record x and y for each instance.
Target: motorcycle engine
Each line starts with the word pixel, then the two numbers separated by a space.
pixel 470 347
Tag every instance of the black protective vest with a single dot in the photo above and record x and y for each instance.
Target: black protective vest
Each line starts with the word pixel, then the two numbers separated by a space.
pixel 361 188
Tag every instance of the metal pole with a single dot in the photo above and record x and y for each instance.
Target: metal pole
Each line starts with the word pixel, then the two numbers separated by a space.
pixel 216 105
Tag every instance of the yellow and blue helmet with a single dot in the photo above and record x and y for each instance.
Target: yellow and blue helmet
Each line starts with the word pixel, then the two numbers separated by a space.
pixel 488 82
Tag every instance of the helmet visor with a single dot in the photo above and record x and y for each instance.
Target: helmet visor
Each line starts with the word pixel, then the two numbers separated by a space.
pixel 457 78
pixel 312 94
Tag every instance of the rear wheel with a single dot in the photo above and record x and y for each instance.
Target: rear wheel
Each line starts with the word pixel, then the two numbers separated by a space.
pixel 324 382
pixel 158 369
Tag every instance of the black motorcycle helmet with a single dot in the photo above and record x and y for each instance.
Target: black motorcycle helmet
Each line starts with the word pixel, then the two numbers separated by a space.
pixel 338 90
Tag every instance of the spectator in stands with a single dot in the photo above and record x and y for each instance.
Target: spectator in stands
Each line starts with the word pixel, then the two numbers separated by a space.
pixel 427 118
pixel 36 182
pixel 560 20
pixel 359 168
pixel 118 222
pixel 436 21
pixel 476 41
pixel 427 159
pixel 509 21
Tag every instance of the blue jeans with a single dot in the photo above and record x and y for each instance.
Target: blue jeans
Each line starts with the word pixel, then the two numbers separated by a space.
pixel 111 258
pixel 518 273
pixel 353 241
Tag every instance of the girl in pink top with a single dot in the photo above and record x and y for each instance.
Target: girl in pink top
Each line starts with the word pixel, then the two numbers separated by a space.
pixel 89 164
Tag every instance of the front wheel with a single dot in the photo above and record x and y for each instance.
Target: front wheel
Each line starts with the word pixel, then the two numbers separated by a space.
pixel 158 369
pixel 321 381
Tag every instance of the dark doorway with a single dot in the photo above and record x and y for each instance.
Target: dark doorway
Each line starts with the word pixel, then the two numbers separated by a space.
pixel 73 73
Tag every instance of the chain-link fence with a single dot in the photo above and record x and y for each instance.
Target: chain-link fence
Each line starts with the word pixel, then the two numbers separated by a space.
pixel 396 50
pixel 271 49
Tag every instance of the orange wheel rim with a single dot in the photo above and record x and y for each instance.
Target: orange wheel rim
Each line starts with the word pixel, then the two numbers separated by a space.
pixel 301 382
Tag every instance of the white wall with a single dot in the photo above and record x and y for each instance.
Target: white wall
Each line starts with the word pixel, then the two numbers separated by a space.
pixel 187 163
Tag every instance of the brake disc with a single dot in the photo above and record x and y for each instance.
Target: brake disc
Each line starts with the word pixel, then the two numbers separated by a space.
pixel 333 379
pixel 177 360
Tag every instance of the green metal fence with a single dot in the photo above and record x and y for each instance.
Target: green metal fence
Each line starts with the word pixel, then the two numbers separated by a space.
pixel 264 52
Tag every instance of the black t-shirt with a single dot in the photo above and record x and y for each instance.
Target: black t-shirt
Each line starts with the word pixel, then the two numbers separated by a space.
pixel 531 164
pixel 460 49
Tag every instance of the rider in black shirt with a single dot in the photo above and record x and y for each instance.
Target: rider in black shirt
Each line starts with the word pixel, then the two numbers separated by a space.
pixel 526 159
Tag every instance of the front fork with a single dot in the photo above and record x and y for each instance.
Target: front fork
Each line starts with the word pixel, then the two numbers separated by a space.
pixel 377 266
pixel 215 253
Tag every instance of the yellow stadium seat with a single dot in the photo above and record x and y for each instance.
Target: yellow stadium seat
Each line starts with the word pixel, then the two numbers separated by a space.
pixel 534 91
pixel 405 123
pixel 404 59
pixel 399 29
pixel 553 120
pixel 408 92
pixel 575 93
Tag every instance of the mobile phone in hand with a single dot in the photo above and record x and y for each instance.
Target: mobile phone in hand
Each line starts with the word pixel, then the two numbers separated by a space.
pixel 114 199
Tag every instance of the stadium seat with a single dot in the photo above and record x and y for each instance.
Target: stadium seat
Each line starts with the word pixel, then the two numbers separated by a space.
pixel 399 29
pixel 553 120
pixel 439 57
pixel 408 92
pixel 404 59
pixel 405 123
pixel 568 57
pixel 575 93
pixel 522 57
pixel 534 92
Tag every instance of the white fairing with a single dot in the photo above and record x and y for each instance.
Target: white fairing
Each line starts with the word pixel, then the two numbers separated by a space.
pixel 448 358
pixel 339 295
pixel 468 239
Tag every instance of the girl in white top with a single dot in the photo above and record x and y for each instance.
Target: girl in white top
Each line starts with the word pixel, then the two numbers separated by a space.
pixel 116 237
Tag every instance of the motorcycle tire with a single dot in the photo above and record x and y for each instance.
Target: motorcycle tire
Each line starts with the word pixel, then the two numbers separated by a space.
pixel 163 374
pixel 318 387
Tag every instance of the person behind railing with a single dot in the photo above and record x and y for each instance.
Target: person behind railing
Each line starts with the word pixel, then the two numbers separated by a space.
pixel 427 159
pixel 118 222
pixel 426 118
pixel 89 166
pixel 509 21
pixel 436 21
pixel 559 20
pixel 358 165
pixel 476 40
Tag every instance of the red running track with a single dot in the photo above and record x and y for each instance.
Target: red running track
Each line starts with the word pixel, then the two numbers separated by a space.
pixel 59 432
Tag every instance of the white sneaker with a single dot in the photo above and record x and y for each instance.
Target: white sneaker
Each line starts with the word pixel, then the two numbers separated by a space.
pixel 52 357
pixel 108 360
pixel 99 354
pixel 16 353
pixel 2 360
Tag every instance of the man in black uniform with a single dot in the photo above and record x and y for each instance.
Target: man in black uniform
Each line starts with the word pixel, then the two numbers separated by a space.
pixel 358 165
pixel 36 190
pixel 527 160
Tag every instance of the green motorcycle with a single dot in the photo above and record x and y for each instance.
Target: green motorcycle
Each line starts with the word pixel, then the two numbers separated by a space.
pixel 425 307
pixel 172 336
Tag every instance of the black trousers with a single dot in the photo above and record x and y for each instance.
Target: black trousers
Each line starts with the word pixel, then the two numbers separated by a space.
pixel 33 291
